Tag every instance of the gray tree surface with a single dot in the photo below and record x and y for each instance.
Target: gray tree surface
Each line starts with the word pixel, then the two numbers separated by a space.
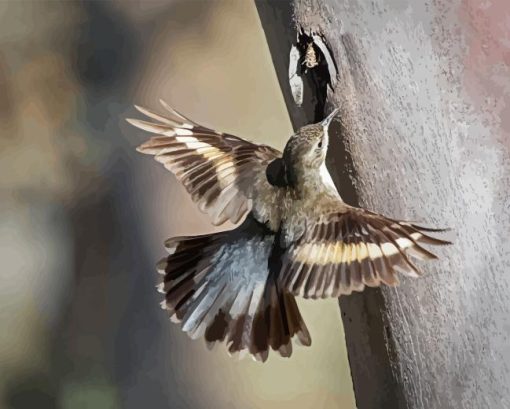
pixel 424 94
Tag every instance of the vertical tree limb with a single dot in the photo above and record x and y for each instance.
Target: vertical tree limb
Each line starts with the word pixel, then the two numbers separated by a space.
pixel 426 144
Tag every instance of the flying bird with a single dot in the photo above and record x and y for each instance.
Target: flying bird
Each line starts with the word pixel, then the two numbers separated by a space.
pixel 297 238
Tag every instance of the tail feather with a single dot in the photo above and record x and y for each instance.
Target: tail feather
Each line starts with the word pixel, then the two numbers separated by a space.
pixel 220 287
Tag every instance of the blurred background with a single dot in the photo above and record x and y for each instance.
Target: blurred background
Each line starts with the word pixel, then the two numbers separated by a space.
pixel 83 217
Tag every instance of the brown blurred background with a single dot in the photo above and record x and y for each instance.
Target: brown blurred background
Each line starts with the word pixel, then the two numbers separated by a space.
pixel 83 216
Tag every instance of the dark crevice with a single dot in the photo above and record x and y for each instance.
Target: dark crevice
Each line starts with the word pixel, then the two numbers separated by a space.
pixel 313 69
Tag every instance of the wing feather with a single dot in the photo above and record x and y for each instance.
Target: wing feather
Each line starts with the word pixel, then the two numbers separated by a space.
pixel 345 251
pixel 215 168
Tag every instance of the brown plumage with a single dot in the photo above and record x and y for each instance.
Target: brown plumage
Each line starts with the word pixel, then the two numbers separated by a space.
pixel 344 252
pixel 216 169
pixel 298 237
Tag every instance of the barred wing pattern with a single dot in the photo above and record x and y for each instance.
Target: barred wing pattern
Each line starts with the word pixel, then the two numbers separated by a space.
pixel 348 250
pixel 218 170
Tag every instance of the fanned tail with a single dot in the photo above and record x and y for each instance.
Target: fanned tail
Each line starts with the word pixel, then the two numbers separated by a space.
pixel 220 287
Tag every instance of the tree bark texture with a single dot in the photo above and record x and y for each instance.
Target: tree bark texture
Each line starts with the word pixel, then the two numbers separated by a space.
pixel 424 91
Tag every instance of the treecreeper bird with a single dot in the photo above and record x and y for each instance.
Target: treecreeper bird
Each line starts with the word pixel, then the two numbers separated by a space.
pixel 298 237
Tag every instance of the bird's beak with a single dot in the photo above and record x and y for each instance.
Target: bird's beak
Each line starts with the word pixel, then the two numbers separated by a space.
pixel 325 122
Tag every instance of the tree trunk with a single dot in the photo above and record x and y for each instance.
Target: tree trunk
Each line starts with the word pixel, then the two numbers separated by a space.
pixel 423 91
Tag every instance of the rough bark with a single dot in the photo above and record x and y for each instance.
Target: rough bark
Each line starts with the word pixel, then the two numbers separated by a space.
pixel 423 90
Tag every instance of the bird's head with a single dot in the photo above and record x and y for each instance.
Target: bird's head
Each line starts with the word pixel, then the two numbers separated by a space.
pixel 304 155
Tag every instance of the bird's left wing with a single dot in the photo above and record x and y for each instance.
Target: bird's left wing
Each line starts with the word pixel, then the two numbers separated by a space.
pixel 345 251
pixel 218 170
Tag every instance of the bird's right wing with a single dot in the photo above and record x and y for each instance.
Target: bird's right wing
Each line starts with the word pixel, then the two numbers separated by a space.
pixel 218 170
pixel 345 251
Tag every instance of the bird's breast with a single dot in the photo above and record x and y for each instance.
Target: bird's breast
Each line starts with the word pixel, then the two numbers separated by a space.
pixel 286 210
pixel 269 204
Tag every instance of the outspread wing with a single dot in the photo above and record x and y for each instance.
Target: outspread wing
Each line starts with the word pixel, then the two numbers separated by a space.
pixel 348 250
pixel 218 170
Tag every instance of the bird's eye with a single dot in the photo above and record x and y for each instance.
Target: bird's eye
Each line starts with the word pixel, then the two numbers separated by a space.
pixel 320 144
